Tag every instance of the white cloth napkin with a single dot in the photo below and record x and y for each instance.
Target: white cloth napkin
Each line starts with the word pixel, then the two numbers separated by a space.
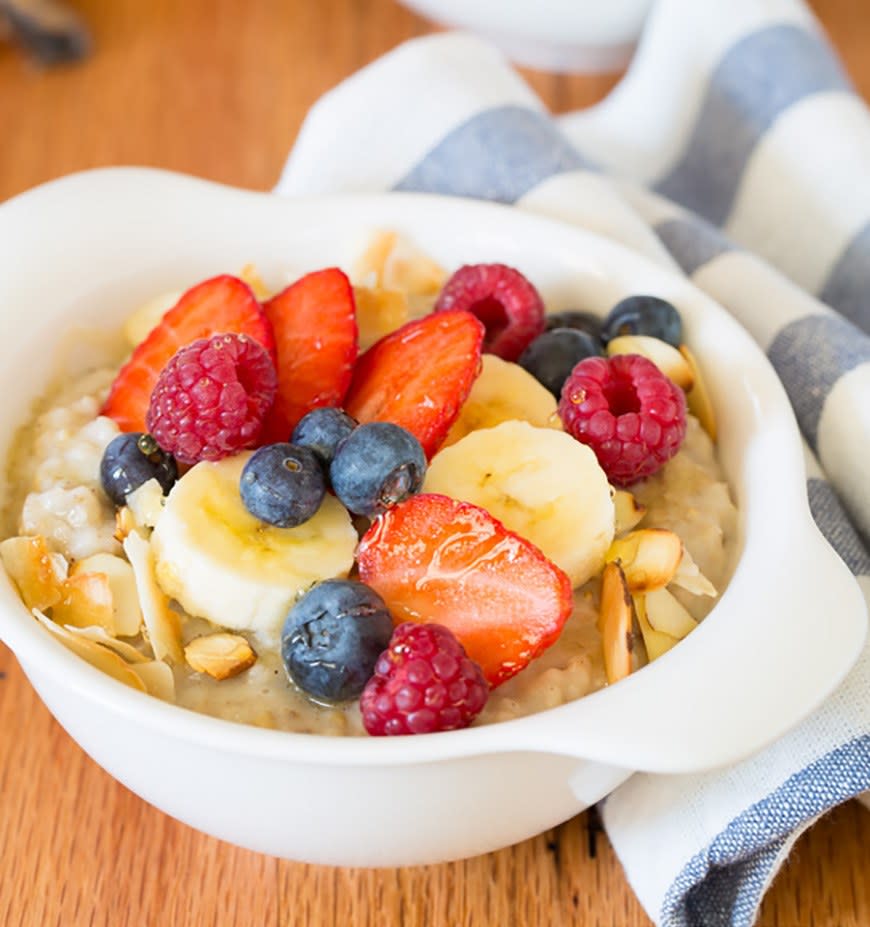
pixel 734 150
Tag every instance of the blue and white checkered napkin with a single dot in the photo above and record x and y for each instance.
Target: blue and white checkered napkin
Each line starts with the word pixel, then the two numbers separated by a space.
pixel 736 150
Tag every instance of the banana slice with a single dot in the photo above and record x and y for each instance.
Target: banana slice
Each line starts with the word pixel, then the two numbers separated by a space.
pixel 223 564
pixel 541 483
pixel 504 392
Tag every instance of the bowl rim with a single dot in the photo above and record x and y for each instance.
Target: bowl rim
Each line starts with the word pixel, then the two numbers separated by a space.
pixel 115 188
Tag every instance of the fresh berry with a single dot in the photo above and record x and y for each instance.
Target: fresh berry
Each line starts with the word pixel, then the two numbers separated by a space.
pixel 283 484
pixel 131 460
pixel 333 637
pixel 630 414
pixel 212 397
pixel 644 315
pixel 419 376
pixel 433 558
pixel 423 682
pixel 587 322
pixel 507 304
pixel 376 467
pixel 322 430
pixel 314 321
pixel 553 355
pixel 222 304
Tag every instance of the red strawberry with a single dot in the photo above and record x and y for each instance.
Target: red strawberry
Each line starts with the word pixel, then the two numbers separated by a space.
pixel 419 376
pixel 434 559
pixel 222 304
pixel 314 321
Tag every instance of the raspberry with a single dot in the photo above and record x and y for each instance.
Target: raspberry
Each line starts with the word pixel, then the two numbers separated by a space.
pixel 509 306
pixel 627 411
pixel 210 400
pixel 423 682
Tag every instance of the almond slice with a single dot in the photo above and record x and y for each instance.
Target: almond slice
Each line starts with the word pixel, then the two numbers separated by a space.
pixel 86 601
pixel 628 510
pixel 665 356
pixel 690 577
pixel 157 678
pixel 667 615
pixel 649 557
pixel 615 622
pixel 656 642
pixel 220 655
pixel 698 397
pixel 122 583
pixel 38 573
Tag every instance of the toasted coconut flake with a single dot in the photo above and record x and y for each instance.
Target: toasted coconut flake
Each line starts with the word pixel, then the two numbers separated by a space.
pixel 38 573
pixel 378 312
pixel 86 601
pixel 690 577
pixel 157 678
pixel 656 642
pixel 122 583
pixel 99 636
pixel 251 276
pixel 649 557
pixel 146 504
pixel 98 656
pixel 161 623
pixel 665 356
pixel 616 623
pixel 667 615
pixel 221 655
pixel 124 523
pixel 628 511
pixel 698 397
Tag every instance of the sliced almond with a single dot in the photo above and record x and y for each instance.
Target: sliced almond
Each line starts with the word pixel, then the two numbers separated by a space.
pixel 698 397
pixel 157 678
pixel 649 557
pixel 98 656
pixel 615 621
pixel 124 523
pixel 665 356
pixel 36 571
pixel 690 577
pixel 656 642
pixel 378 312
pixel 99 636
pixel 161 623
pixel 122 583
pixel 86 601
pixel 667 615
pixel 220 655
pixel 251 276
pixel 628 511
pixel 146 504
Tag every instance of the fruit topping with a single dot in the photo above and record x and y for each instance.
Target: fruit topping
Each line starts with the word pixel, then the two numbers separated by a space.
pixel 424 682
pixel 220 655
pixel 630 414
pixel 644 315
pixel 419 376
pixel 129 461
pixel 507 304
pixel 587 322
pixel 222 304
pixel 314 321
pixel 333 637
pixel 551 357
pixel 322 430
pixel 433 558
pixel 212 397
pixel 283 484
pixel 377 466
pixel 667 358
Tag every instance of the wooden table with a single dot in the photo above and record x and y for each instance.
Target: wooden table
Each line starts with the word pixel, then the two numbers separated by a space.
pixel 219 88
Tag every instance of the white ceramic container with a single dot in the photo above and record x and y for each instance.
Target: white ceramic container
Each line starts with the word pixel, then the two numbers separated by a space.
pixel 85 250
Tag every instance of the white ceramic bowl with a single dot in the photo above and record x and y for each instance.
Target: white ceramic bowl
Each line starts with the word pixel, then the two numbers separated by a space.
pixel 84 250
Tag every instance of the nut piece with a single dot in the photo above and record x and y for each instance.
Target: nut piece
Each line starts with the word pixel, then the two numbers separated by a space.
pixel 616 620
pixel 124 524
pixel 649 557
pixel 221 655
pixel 628 511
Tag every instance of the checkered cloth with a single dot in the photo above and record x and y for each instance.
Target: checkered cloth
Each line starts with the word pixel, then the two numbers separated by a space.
pixel 736 151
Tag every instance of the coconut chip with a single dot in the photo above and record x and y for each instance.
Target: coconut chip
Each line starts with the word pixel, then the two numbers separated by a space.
pixel 157 678
pixel 38 573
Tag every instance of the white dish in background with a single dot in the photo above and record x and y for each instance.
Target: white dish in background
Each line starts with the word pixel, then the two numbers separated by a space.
pixel 84 250
pixel 552 35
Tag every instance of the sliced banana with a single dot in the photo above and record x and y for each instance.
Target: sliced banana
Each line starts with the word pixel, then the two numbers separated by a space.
pixel 541 483
pixel 223 564
pixel 504 392
pixel 665 356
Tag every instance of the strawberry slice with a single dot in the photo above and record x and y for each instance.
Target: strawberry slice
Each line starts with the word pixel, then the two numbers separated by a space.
pixel 419 375
pixel 314 321
pixel 432 558
pixel 222 304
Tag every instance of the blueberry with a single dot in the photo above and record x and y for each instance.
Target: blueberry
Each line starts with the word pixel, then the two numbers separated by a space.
pixel 573 318
pixel 332 638
pixel 323 430
pixel 283 484
pixel 551 357
pixel 131 460
pixel 377 466
pixel 644 315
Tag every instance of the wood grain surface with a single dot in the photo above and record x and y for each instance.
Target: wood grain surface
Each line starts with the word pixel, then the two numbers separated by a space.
pixel 218 88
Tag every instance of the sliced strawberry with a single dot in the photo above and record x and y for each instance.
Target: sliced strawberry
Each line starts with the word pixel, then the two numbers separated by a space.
pixel 432 558
pixel 419 376
pixel 222 304
pixel 314 321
